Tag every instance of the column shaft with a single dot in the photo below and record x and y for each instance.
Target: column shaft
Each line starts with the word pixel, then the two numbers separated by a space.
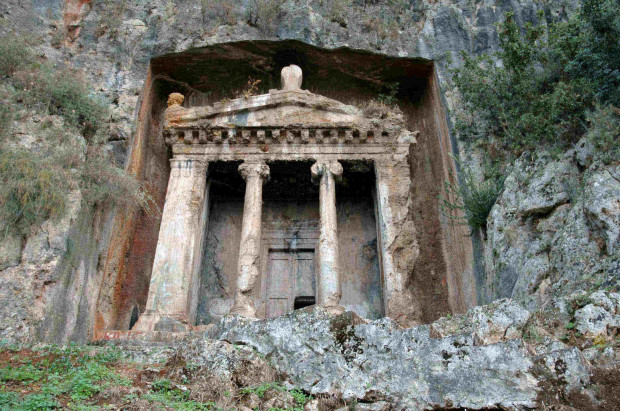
pixel 170 305
pixel 248 267
pixel 329 270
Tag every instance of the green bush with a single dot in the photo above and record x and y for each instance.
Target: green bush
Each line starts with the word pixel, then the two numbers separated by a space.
pixel 550 78
pixel 14 55
pixel 604 133
pixel 32 189
pixel 471 201
pixel 26 373
pixel 6 114
pixel 64 92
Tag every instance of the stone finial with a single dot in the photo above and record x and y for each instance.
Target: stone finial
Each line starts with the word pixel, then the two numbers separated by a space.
pixel 291 77
pixel 175 99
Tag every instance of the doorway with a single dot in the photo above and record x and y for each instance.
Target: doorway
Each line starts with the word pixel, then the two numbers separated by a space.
pixel 290 282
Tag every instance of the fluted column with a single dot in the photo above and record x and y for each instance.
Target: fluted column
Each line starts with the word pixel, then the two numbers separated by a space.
pixel 326 174
pixel 248 269
pixel 171 304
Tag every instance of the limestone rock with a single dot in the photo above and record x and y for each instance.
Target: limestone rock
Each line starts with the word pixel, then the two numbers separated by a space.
pixel 10 251
pixel 568 366
pixel 602 205
pixel 548 228
pixel 601 317
pixel 312 405
pixel 380 365
pixel 323 354
pixel 500 321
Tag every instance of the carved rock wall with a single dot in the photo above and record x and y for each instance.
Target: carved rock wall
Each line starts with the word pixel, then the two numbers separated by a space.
pixel 115 46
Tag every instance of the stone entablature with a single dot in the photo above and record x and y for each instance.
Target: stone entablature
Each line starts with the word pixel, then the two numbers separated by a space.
pixel 281 117
pixel 284 125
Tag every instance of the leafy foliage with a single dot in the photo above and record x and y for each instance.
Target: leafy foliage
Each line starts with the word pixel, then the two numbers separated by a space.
pixel 470 202
pixel 71 372
pixel 549 78
pixel 389 98
pixel 548 87
pixel 260 390
pixel 604 132
pixel 15 55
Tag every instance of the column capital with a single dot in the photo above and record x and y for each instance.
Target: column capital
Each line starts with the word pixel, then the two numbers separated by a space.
pixel 321 167
pixel 188 166
pixel 194 161
pixel 258 169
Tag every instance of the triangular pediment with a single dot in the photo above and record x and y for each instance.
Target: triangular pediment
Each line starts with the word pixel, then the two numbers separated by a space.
pixel 290 115
pixel 277 109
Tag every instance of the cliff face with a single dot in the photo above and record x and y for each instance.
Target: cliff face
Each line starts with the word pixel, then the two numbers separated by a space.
pixel 88 271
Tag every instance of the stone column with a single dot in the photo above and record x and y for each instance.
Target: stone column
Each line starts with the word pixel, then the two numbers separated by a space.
pixel 171 304
pixel 326 174
pixel 248 269
pixel 397 238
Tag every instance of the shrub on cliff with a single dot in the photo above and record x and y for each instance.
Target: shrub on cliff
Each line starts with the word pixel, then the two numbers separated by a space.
pixel 32 189
pixel 35 181
pixel 549 78
pixel 470 202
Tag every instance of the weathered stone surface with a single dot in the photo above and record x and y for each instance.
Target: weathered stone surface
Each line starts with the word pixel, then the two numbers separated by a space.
pixel 545 232
pixel 489 324
pixel 568 366
pixel 248 270
pixel 382 366
pixel 173 290
pixel 601 317
pixel 330 290
pixel 291 77
pixel 602 206
pixel 10 251
pixel 325 354
pixel 48 259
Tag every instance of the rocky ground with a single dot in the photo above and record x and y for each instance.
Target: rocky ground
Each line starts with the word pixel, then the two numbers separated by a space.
pixel 499 356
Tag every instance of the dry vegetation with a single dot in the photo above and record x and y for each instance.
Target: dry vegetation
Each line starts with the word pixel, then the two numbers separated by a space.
pixel 64 150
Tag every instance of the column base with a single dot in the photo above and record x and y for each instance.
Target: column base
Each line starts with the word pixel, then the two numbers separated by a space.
pixel 244 306
pixel 334 309
pixel 154 321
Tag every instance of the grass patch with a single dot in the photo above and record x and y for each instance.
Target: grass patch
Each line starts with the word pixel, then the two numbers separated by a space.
pixel 55 378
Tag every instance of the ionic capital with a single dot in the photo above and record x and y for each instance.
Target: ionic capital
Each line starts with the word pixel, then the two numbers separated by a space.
pixel 248 170
pixel 321 167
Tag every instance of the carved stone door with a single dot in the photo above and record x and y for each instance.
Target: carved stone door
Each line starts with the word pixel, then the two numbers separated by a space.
pixel 290 277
